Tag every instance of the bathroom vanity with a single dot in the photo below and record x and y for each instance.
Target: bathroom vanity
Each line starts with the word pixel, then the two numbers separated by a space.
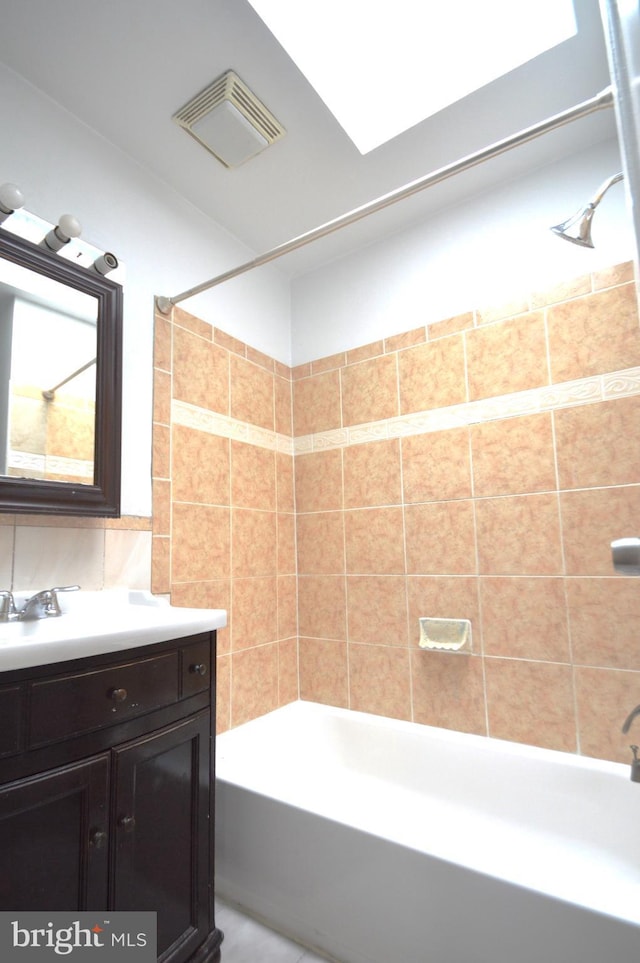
pixel 106 786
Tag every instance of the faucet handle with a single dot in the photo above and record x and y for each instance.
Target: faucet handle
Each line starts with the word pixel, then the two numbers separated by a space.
pixel 627 722
pixel 54 605
pixel 7 606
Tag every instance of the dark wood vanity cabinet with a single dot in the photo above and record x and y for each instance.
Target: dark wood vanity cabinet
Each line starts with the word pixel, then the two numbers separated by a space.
pixel 48 858
pixel 106 790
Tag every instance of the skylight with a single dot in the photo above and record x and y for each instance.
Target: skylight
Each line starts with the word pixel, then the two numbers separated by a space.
pixel 382 68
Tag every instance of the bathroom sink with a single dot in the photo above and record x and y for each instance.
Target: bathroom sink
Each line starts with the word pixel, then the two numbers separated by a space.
pixel 95 622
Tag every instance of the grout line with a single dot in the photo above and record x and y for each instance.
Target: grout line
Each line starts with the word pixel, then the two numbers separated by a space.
pixel 405 577
pixel 343 512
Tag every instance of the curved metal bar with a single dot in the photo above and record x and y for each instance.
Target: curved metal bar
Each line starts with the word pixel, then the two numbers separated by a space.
pixel 600 101
pixel 49 394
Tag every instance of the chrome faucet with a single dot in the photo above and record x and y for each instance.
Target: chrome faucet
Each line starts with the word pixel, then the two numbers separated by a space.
pixel 635 764
pixel 39 606
pixel 42 605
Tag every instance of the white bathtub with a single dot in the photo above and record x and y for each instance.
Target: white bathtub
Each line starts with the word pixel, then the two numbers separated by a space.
pixel 378 841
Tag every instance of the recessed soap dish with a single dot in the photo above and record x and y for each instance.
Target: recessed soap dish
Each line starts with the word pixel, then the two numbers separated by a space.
pixel 445 635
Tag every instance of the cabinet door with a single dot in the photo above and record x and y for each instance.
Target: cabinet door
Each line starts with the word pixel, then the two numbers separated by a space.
pixel 162 842
pixel 53 839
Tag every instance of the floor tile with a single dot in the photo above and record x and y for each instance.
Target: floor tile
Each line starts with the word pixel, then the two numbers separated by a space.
pixel 248 941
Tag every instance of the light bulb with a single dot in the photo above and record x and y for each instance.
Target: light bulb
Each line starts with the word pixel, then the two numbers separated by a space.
pixel 10 200
pixel 67 227
pixel 70 226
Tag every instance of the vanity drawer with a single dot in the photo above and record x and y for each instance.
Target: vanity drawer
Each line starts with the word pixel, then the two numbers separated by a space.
pixel 196 667
pixel 73 704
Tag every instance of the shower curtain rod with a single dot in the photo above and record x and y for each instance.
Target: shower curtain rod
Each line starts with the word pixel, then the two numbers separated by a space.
pixel 601 100
pixel 49 394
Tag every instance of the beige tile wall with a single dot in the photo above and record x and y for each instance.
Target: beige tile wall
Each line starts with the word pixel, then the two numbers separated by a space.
pixel 223 519
pixel 477 468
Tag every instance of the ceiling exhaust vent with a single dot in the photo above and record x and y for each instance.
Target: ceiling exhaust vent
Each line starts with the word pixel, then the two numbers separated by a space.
pixel 230 121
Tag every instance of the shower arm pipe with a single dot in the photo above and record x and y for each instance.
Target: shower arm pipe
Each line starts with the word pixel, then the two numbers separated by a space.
pixel 598 102
pixel 602 190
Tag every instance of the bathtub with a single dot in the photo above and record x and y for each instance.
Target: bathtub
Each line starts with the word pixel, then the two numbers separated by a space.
pixel 377 841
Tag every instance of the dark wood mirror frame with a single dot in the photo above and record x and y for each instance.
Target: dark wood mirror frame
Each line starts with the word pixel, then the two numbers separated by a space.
pixel 102 498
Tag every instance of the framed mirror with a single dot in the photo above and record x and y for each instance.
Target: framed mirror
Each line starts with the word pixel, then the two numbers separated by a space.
pixel 60 384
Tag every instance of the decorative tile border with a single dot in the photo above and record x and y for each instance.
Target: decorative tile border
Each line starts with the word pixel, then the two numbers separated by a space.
pixel 72 467
pixel 616 384
pixel 621 384
pixel 44 465
pixel 606 387
pixel 27 461
pixel 213 423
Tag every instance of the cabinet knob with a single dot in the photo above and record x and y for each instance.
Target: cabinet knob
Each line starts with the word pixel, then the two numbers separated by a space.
pixel 198 668
pixel 127 823
pixel 118 695
pixel 97 838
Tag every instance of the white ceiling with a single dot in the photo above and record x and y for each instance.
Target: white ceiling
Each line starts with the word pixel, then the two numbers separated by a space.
pixel 125 67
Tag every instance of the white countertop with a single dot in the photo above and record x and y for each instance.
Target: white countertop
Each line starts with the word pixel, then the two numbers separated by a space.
pixel 94 623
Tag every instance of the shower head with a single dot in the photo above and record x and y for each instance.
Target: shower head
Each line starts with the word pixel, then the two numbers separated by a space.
pixel 581 220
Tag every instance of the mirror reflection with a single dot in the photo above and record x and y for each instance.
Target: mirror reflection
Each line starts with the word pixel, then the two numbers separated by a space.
pixel 60 379
pixel 48 350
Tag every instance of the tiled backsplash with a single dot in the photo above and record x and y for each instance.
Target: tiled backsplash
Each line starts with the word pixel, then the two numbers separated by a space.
pixel 38 551
pixel 478 468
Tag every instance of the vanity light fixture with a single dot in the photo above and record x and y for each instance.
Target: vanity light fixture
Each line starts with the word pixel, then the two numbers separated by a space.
pixel 104 264
pixel 11 200
pixel 67 227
